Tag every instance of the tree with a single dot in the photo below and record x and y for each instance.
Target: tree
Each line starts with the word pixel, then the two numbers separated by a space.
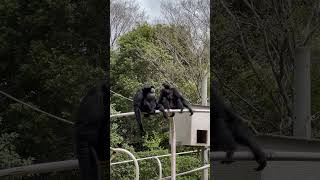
pixel 51 52
pixel 124 15
pixel 192 19
pixel 257 41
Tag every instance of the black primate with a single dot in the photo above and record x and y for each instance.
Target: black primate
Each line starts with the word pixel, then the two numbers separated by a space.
pixel 171 98
pixel 91 132
pixel 145 101
pixel 228 129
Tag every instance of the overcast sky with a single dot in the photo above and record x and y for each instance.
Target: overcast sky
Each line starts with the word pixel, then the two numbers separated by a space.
pixel 151 7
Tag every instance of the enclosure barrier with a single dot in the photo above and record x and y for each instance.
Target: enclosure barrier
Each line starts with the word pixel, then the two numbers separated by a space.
pixel 160 166
pixel 215 156
pixel 73 164
pixel 132 157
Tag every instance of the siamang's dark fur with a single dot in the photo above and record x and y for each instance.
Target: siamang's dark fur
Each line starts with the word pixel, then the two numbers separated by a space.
pixel 91 132
pixel 228 129
pixel 145 101
pixel 171 98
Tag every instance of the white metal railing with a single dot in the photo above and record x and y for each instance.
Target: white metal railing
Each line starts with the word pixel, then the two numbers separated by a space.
pixel 173 148
pixel 136 164
pixel 159 164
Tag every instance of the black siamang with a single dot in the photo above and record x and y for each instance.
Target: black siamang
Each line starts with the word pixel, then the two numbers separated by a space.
pixel 145 101
pixel 91 132
pixel 171 98
pixel 228 129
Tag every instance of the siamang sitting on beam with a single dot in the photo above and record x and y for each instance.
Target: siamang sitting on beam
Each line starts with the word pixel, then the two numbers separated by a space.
pixel 145 102
pixel 171 98
pixel 91 132
pixel 228 129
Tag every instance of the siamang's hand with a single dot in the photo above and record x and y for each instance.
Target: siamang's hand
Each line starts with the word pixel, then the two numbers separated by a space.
pixel 262 164
pixel 191 112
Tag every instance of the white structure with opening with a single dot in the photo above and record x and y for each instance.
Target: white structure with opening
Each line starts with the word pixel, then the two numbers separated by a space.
pixel 193 130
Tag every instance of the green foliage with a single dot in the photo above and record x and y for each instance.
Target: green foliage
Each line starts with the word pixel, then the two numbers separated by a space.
pixel 8 155
pixel 115 138
pixel 51 52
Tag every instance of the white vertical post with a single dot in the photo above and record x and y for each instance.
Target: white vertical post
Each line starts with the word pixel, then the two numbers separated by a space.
pixel 204 102
pixel 205 160
pixel 173 148
pixel 302 97
pixel 204 90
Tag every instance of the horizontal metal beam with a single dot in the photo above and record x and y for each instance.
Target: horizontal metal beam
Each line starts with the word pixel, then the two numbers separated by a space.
pixel 157 111
pixel 41 168
pixel 271 156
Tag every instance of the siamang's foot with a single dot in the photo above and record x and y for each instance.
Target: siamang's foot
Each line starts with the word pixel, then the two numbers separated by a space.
pixel 262 165
pixel 191 113
pixel 181 110
pixel 227 161
pixel 172 114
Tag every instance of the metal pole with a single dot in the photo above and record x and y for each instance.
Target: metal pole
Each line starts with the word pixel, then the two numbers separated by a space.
pixel 160 167
pixel 205 160
pixel 204 102
pixel 204 90
pixel 302 97
pixel 271 156
pixel 173 148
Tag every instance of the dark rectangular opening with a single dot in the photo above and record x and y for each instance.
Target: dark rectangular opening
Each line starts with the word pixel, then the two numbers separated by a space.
pixel 201 136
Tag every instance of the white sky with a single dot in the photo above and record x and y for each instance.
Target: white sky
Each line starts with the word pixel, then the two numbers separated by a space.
pixel 151 7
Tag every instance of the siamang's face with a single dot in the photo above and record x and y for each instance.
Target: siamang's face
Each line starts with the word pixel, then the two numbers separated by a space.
pixel 151 93
pixel 168 93
pixel 166 85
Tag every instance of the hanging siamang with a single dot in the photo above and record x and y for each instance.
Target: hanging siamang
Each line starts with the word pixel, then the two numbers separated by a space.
pixel 228 129
pixel 145 102
pixel 91 132
pixel 171 98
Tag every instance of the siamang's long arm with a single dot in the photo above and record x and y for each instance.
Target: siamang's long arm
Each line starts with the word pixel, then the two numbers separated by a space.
pixel 240 132
pixel 243 136
pixel 161 109
pixel 182 100
pixel 137 101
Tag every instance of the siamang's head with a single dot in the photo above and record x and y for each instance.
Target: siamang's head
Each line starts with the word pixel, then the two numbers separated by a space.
pixel 148 88
pixel 167 91
pixel 149 92
pixel 166 85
